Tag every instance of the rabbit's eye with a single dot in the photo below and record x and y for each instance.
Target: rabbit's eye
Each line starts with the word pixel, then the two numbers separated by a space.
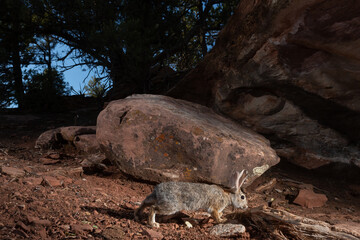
pixel 242 197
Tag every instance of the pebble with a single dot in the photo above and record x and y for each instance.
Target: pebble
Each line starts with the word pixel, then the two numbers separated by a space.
pixel 51 181
pixel 153 234
pixel 227 230
pixel 188 224
pixel 13 172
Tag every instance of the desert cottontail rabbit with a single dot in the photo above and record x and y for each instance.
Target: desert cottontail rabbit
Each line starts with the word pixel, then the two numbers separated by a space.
pixel 171 197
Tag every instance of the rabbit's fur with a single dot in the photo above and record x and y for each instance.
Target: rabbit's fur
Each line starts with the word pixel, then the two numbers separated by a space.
pixel 171 197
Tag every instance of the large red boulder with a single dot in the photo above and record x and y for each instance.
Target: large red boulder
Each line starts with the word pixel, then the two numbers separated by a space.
pixel 158 138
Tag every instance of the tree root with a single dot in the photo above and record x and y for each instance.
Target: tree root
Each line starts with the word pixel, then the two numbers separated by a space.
pixel 269 223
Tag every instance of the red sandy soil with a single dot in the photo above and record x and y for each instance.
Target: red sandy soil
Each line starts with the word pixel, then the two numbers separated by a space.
pixel 55 199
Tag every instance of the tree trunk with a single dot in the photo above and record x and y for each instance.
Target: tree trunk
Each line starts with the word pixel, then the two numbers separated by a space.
pixel 202 37
pixel 19 87
pixel 203 42
pixel 48 61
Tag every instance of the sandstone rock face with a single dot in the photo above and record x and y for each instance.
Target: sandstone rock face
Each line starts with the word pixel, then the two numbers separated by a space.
pixel 289 70
pixel 158 138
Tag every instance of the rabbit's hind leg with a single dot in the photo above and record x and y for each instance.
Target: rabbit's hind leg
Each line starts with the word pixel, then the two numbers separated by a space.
pixel 151 220
pixel 149 201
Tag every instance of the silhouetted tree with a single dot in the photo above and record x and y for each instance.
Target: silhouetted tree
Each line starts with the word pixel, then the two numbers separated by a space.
pixel 43 90
pixel 124 39
pixel 16 33
pixel 127 38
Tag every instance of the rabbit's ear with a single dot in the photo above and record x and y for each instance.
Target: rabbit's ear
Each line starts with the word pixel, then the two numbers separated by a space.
pixel 243 177
pixel 238 176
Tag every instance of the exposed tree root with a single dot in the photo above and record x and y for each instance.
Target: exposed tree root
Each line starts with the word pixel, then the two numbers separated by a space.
pixel 269 223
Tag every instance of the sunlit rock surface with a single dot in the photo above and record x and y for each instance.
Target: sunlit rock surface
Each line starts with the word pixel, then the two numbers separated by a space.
pixel 158 138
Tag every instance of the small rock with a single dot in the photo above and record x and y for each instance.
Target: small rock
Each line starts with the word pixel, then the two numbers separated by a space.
pixel 18 195
pixel 30 218
pixel 42 233
pixel 153 234
pixel 114 232
pixel 22 206
pixel 21 233
pixel 129 205
pixel 54 156
pixel 13 172
pixel 33 181
pixel 23 226
pixel 227 230
pixel 188 224
pixel 51 181
pixel 94 163
pixel 65 227
pixel 75 172
pixel 28 169
pixel 48 161
pixel 41 222
pixel 307 198
pixel 65 180
pixel 79 228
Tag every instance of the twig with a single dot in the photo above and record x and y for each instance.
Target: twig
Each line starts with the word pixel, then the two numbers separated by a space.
pixel 302 183
pixel 266 186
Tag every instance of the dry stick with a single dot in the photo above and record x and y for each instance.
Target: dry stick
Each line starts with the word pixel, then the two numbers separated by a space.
pixel 266 186
pixel 307 225
pixel 302 183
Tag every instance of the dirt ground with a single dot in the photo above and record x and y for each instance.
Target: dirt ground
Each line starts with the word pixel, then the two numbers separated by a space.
pixel 49 196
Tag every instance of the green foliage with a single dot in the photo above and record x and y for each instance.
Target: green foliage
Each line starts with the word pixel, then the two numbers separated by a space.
pixel 95 88
pixel 43 90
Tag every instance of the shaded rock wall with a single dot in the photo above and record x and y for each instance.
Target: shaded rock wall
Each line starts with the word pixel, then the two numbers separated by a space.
pixel 289 69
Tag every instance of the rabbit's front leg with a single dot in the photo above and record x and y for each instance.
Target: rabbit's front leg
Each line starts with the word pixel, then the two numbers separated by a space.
pixel 217 216
pixel 151 220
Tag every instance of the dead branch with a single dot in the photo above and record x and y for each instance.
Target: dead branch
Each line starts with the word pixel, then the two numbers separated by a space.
pixel 266 186
pixel 308 227
pixel 302 183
